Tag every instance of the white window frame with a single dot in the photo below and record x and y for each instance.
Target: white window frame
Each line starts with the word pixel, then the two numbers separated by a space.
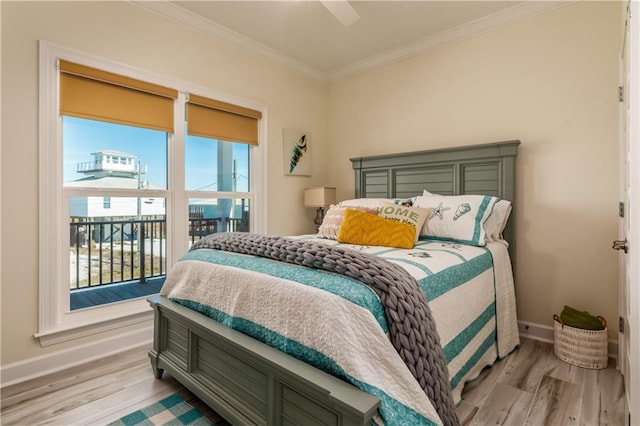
pixel 57 323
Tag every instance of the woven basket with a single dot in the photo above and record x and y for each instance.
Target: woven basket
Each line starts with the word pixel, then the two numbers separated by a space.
pixel 582 348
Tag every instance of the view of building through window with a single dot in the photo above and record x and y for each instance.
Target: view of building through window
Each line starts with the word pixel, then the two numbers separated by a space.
pixel 117 239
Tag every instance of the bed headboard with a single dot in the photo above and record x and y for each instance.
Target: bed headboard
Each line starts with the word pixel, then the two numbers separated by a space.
pixel 487 169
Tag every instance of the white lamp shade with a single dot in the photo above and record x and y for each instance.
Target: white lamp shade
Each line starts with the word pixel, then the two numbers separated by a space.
pixel 321 196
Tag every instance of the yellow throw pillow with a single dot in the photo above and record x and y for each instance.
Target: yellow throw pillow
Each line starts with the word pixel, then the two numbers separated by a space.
pixel 367 229
pixel 333 219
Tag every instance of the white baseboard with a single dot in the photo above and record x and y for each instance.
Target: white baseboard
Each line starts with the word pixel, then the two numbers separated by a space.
pixel 31 368
pixel 544 333
pixel 534 331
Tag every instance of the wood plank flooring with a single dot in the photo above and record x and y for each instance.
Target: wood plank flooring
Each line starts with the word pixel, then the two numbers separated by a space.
pixel 529 387
pixel 533 387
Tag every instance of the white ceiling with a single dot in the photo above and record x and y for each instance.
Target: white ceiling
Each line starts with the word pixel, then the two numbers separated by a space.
pixel 305 35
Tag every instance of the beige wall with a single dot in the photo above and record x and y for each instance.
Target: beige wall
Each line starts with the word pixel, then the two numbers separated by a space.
pixel 550 81
pixel 128 34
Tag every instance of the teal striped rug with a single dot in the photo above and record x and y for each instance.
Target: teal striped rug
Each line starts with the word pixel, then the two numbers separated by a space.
pixel 172 410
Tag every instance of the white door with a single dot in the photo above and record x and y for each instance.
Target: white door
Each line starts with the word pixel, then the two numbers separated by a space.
pixel 629 229
pixel 623 183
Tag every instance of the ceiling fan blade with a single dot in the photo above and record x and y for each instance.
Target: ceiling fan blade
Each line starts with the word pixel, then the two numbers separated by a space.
pixel 342 11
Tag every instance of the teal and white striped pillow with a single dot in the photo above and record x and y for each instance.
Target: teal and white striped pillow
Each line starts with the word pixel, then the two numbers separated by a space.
pixel 457 218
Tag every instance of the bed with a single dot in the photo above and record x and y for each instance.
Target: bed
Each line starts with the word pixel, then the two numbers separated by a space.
pixel 260 346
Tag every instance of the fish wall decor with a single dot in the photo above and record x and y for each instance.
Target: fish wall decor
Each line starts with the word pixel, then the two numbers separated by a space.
pixel 298 150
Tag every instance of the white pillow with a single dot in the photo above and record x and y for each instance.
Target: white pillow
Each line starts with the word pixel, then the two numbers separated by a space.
pixel 495 224
pixel 333 220
pixel 458 217
pixel 497 221
pixel 373 202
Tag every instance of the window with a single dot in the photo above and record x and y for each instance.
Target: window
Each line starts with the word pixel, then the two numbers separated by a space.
pixel 139 179
pixel 122 241
pixel 217 169
pixel 217 176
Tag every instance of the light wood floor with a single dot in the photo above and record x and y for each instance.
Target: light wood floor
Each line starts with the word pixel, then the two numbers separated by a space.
pixel 529 387
pixel 533 387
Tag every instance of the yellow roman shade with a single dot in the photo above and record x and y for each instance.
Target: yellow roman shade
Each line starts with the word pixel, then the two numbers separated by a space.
pixel 214 119
pixel 94 94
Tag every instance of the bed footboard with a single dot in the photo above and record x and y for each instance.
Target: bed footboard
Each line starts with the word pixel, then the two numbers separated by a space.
pixel 246 381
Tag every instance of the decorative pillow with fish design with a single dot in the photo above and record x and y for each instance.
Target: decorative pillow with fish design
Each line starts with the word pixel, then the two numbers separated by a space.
pixel 458 218
pixel 497 221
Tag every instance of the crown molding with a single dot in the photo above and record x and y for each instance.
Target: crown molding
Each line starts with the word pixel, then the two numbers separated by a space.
pixel 507 16
pixel 182 16
pixel 512 14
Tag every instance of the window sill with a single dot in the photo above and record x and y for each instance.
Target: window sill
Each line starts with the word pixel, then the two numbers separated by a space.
pixel 112 317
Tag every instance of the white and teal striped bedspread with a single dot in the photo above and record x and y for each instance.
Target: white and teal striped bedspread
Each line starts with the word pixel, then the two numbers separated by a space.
pixel 337 324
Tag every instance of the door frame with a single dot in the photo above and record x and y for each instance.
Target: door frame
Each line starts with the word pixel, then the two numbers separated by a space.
pixel 632 379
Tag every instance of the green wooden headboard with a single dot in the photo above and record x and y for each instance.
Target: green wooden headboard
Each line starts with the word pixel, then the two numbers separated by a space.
pixel 487 169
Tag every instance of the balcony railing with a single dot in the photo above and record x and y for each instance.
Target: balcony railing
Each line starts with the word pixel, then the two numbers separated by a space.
pixel 109 252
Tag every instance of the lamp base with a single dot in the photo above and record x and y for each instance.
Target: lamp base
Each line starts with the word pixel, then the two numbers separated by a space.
pixel 319 217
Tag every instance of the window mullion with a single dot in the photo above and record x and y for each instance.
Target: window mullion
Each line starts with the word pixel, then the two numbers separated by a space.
pixel 219 194
pixel 178 219
pixel 113 192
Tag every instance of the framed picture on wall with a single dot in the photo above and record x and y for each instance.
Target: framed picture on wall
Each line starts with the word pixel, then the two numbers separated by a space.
pixel 296 152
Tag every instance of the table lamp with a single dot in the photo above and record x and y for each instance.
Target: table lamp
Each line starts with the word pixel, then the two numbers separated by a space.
pixel 319 197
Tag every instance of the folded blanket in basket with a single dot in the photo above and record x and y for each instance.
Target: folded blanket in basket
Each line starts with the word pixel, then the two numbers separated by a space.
pixel 580 319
